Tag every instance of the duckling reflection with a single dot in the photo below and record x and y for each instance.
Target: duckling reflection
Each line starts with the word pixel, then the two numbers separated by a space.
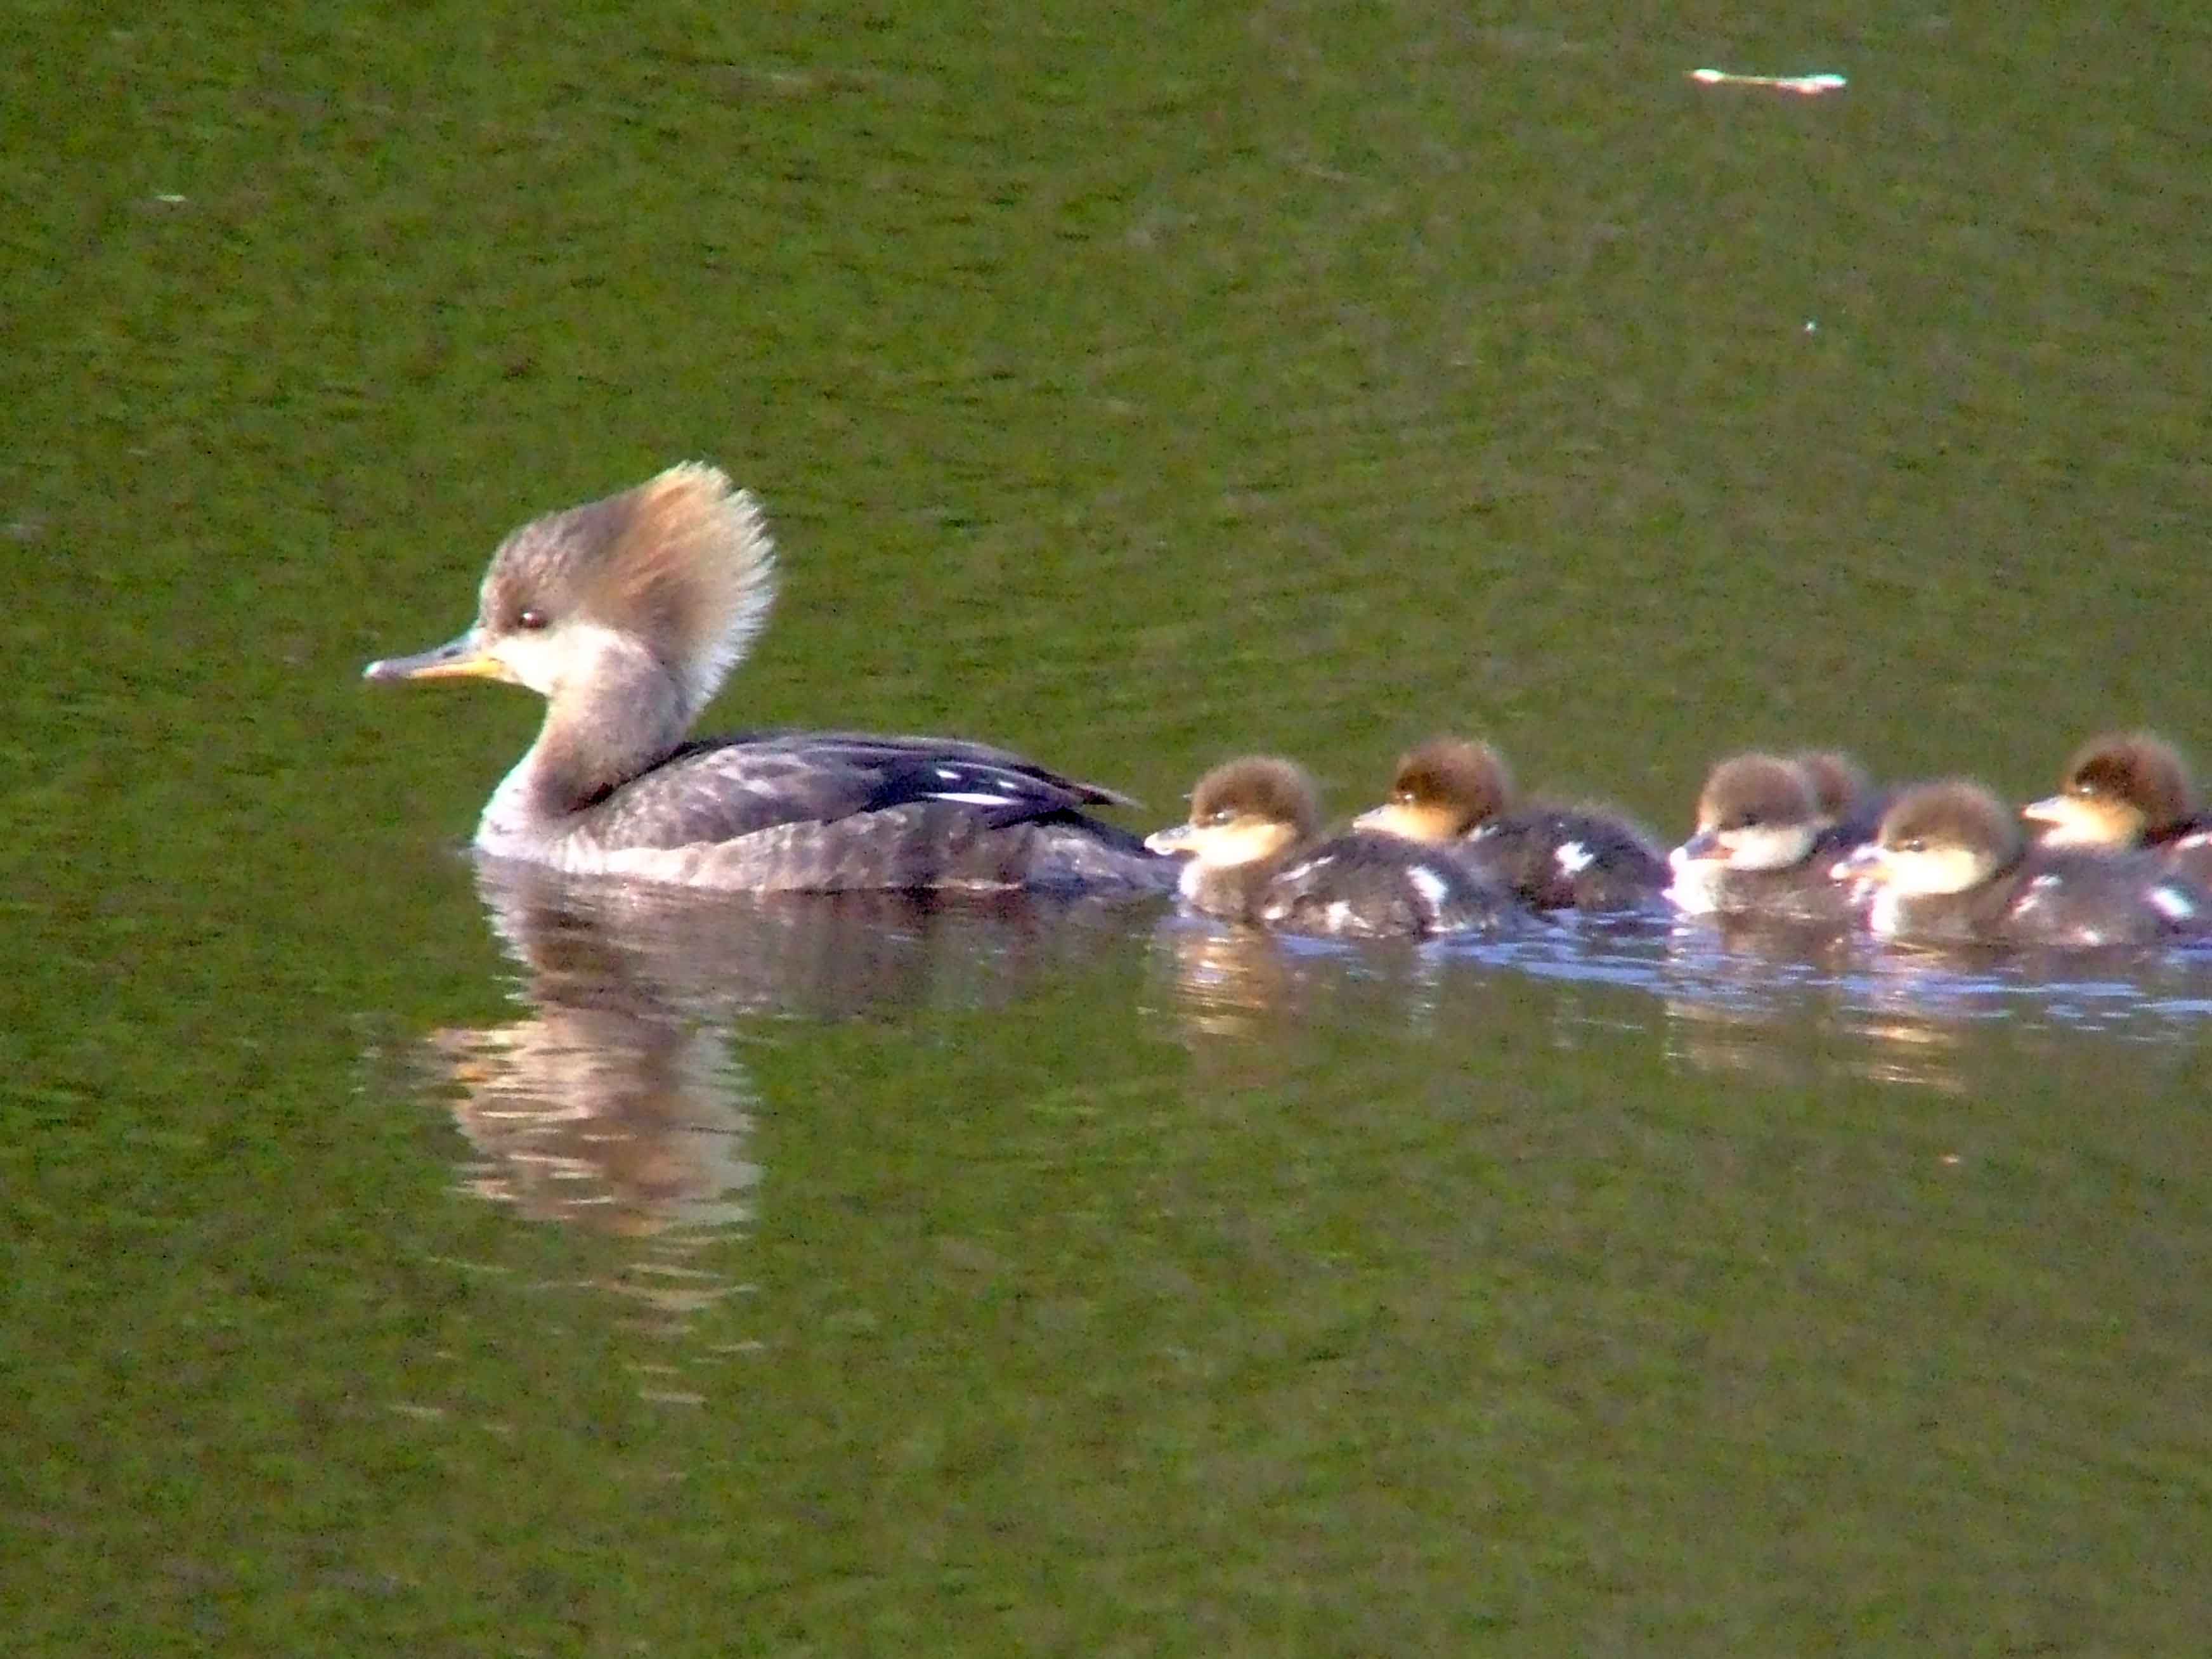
pixel 1783 1017
pixel 1225 980
pixel 1250 1002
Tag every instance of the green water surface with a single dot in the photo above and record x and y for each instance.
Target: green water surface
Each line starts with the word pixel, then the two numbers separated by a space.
pixel 1135 386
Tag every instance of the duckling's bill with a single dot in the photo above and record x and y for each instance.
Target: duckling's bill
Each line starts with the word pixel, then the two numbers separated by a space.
pixel 2080 821
pixel 1408 821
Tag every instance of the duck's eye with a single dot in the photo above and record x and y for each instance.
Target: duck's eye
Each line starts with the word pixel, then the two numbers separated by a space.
pixel 1913 844
pixel 530 619
pixel 1219 818
pixel 1404 798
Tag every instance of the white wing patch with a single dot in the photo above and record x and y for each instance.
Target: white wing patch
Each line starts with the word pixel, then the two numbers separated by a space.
pixel 975 798
pixel 2172 903
pixel 1428 884
pixel 1573 858
pixel 1338 916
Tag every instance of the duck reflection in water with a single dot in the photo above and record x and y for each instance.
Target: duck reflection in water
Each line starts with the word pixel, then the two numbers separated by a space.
pixel 615 1102
pixel 609 1105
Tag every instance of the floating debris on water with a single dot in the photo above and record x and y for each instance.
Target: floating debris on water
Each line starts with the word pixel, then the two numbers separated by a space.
pixel 1808 85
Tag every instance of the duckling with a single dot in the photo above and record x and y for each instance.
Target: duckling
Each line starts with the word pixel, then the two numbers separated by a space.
pixel 1451 791
pixel 1845 795
pixel 1950 864
pixel 2129 789
pixel 1765 847
pixel 625 615
pixel 1254 855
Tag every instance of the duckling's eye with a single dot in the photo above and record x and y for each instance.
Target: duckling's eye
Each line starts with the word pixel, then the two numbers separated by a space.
pixel 1913 844
pixel 1219 817
pixel 1404 798
pixel 530 619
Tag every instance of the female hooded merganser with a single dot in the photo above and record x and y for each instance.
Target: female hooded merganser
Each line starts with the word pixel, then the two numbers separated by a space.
pixel 1765 847
pixel 2129 789
pixel 1451 791
pixel 1252 857
pixel 625 614
pixel 1951 865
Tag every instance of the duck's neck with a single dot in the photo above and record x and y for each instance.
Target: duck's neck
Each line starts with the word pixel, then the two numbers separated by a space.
pixel 629 717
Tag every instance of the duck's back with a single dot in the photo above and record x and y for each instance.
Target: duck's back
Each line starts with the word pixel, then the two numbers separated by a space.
pixel 2066 899
pixel 1555 857
pixel 2186 849
pixel 785 810
pixel 1373 885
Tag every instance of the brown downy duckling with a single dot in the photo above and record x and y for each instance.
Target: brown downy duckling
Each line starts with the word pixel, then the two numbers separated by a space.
pixel 1452 792
pixel 1950 864
pixel 2129 789
pixel 1765 847
pixel 1255 855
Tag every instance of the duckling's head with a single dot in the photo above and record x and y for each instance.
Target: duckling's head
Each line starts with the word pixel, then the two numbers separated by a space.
pixel 1839 782
pixel 1441 791
pixel 2117 789
pixel 1757 813
pixel 1243 811
pixel 1944 837
pixel 673 578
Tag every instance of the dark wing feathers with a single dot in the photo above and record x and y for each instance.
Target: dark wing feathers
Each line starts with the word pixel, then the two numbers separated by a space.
pixel 722 788
pixel 1556 857
pixel 1378 885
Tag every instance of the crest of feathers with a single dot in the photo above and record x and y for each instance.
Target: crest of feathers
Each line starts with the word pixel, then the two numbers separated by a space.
pixel 685 560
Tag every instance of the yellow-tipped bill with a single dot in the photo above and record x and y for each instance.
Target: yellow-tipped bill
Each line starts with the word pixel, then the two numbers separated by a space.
pixel 464 658
pixel 2073 820
pixel 1426 822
